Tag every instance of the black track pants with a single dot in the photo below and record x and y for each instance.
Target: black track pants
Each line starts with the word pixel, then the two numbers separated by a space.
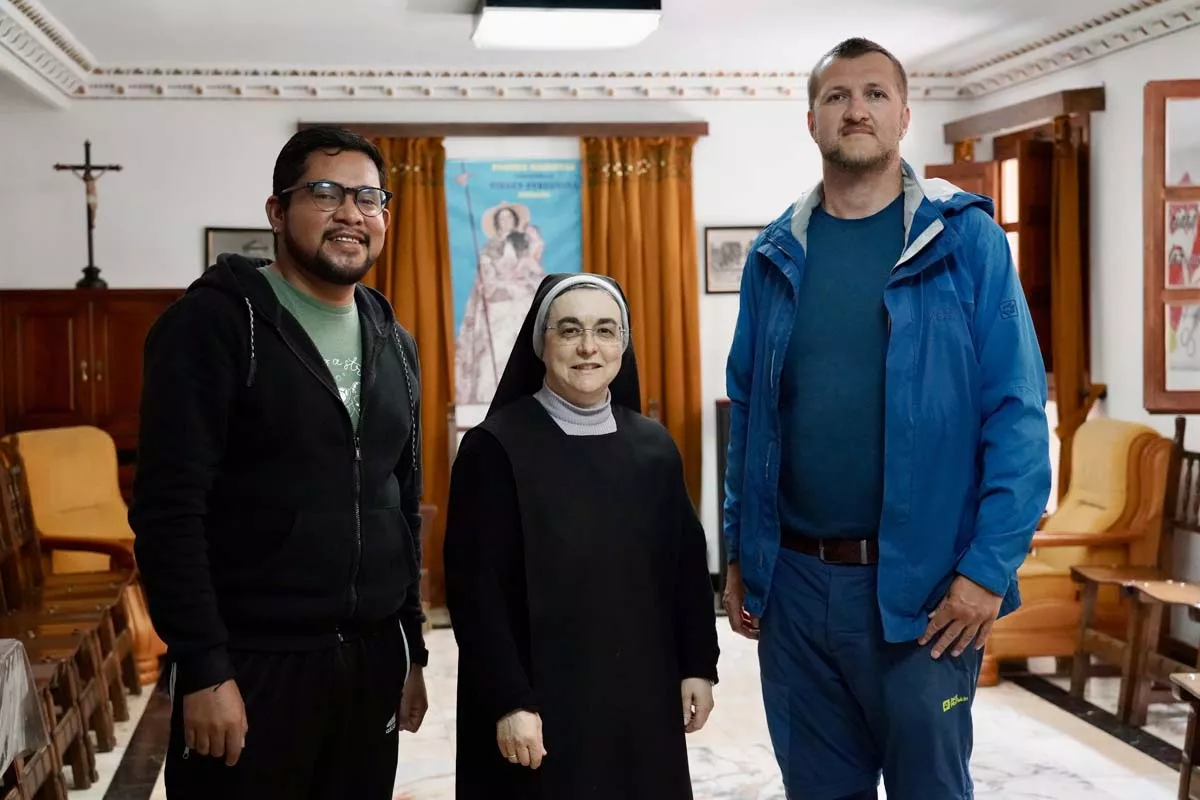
pixel 322 724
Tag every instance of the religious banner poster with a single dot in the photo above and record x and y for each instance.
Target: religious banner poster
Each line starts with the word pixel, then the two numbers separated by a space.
pixel 510 222
pixel 1183 244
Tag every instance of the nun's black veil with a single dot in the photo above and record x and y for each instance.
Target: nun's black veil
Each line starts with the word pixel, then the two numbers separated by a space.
pixel 525 372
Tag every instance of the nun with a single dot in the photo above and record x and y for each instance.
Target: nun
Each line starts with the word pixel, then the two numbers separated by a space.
pixel 576 572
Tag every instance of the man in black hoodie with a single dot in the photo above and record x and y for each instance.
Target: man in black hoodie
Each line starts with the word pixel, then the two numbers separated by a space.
pixel 276 502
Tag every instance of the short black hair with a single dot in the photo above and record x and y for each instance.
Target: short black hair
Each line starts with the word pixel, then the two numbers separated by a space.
pixel 293 158
pixel 856 47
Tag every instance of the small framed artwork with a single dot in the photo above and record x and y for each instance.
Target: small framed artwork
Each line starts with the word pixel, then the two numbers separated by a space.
pixel 249 242
pixel 725 251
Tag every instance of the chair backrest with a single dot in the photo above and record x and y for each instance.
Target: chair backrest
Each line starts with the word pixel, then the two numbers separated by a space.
pixel 72 467
pixel 12 572
pixel 74 491
pixel 18 520
pixel 1105 461
pixel 1181 504
pixel 1148 494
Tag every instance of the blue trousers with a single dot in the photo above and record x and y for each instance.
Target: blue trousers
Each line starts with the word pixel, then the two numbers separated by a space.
pixel 845 707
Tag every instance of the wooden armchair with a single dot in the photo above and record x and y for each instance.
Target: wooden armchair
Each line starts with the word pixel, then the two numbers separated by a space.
pixel 1108 515
pixel 75 495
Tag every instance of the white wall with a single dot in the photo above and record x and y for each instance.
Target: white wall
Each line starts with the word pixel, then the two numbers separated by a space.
pixel 192 164
pixel 1116 231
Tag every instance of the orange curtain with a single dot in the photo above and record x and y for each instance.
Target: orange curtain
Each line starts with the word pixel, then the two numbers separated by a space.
pixel 639 228
pixel 1074 392
pixel 413 272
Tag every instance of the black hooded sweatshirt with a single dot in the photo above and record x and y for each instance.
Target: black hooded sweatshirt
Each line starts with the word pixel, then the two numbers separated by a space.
pixel 263 520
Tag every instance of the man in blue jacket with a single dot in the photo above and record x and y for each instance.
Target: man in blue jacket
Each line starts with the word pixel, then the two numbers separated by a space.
pixel 888 458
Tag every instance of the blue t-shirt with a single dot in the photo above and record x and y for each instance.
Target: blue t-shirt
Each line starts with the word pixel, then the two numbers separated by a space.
pixel 832 385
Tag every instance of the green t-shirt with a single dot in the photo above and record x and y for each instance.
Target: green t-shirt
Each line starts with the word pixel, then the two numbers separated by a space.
pixel 335 332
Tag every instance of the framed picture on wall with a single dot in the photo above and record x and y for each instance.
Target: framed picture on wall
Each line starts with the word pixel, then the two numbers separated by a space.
pixel 249 242
pixel 1171 235
pixel 725 251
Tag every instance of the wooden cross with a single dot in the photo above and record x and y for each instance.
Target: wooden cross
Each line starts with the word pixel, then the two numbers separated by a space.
pixel 89 173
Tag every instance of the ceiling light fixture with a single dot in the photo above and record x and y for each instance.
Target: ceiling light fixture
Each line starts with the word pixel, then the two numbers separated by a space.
pixel 564 24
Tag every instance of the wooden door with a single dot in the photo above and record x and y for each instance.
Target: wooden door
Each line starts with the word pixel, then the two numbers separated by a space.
pixel 120 321
pixel 47 360
pixel 1030 236
pixel 977 177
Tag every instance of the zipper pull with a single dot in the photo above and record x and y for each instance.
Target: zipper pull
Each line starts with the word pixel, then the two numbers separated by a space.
pixel 357 449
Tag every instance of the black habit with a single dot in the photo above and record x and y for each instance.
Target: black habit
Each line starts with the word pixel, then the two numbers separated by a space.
pixel 578 588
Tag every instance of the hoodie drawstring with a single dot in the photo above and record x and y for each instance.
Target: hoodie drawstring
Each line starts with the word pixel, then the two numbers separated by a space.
pixel 253 356
pixel 412 403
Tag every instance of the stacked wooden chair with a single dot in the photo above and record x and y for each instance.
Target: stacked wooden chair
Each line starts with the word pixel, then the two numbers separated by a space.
pixel 1151 588
pixel 74 490
pixel 75 630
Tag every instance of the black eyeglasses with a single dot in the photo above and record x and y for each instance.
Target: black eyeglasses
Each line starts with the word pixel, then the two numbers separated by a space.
pixel 329 196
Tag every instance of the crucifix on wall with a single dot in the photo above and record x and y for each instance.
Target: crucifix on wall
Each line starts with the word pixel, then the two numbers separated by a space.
pixel 89 173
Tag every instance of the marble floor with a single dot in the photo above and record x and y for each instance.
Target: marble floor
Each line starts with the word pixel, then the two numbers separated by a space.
pixel 1026 747
pixel 107 763
pixel 1167 721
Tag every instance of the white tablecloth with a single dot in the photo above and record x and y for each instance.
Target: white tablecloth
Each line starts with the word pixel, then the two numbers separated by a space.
pixel 22 725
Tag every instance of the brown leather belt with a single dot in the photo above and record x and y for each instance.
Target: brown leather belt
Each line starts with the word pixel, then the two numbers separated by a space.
pixel 860 552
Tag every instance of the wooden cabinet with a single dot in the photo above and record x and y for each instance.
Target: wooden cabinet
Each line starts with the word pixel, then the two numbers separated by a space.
pixel 74 357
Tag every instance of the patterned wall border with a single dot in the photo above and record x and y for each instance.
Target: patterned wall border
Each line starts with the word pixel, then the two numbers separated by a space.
pixel 45 46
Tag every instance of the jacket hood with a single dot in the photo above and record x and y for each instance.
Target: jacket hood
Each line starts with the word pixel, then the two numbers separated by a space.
pixel 928 204
pixel 238 277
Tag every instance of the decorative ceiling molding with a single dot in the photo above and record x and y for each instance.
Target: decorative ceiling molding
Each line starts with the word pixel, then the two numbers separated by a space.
pixel 989 77
pixel 56 32
pixel 44 45
pixel 51 55
pixel 1099 21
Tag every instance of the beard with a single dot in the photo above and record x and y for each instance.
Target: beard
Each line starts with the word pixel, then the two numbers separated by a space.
pixel 858 163
pixel 320 266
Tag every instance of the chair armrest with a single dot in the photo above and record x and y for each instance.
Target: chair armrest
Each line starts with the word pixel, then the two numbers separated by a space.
pixel 1168 592
pixel 1078 539
pixel 122 557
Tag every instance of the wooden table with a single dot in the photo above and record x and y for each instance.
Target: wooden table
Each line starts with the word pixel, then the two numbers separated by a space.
pixel 1187 688
pixel 22 724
